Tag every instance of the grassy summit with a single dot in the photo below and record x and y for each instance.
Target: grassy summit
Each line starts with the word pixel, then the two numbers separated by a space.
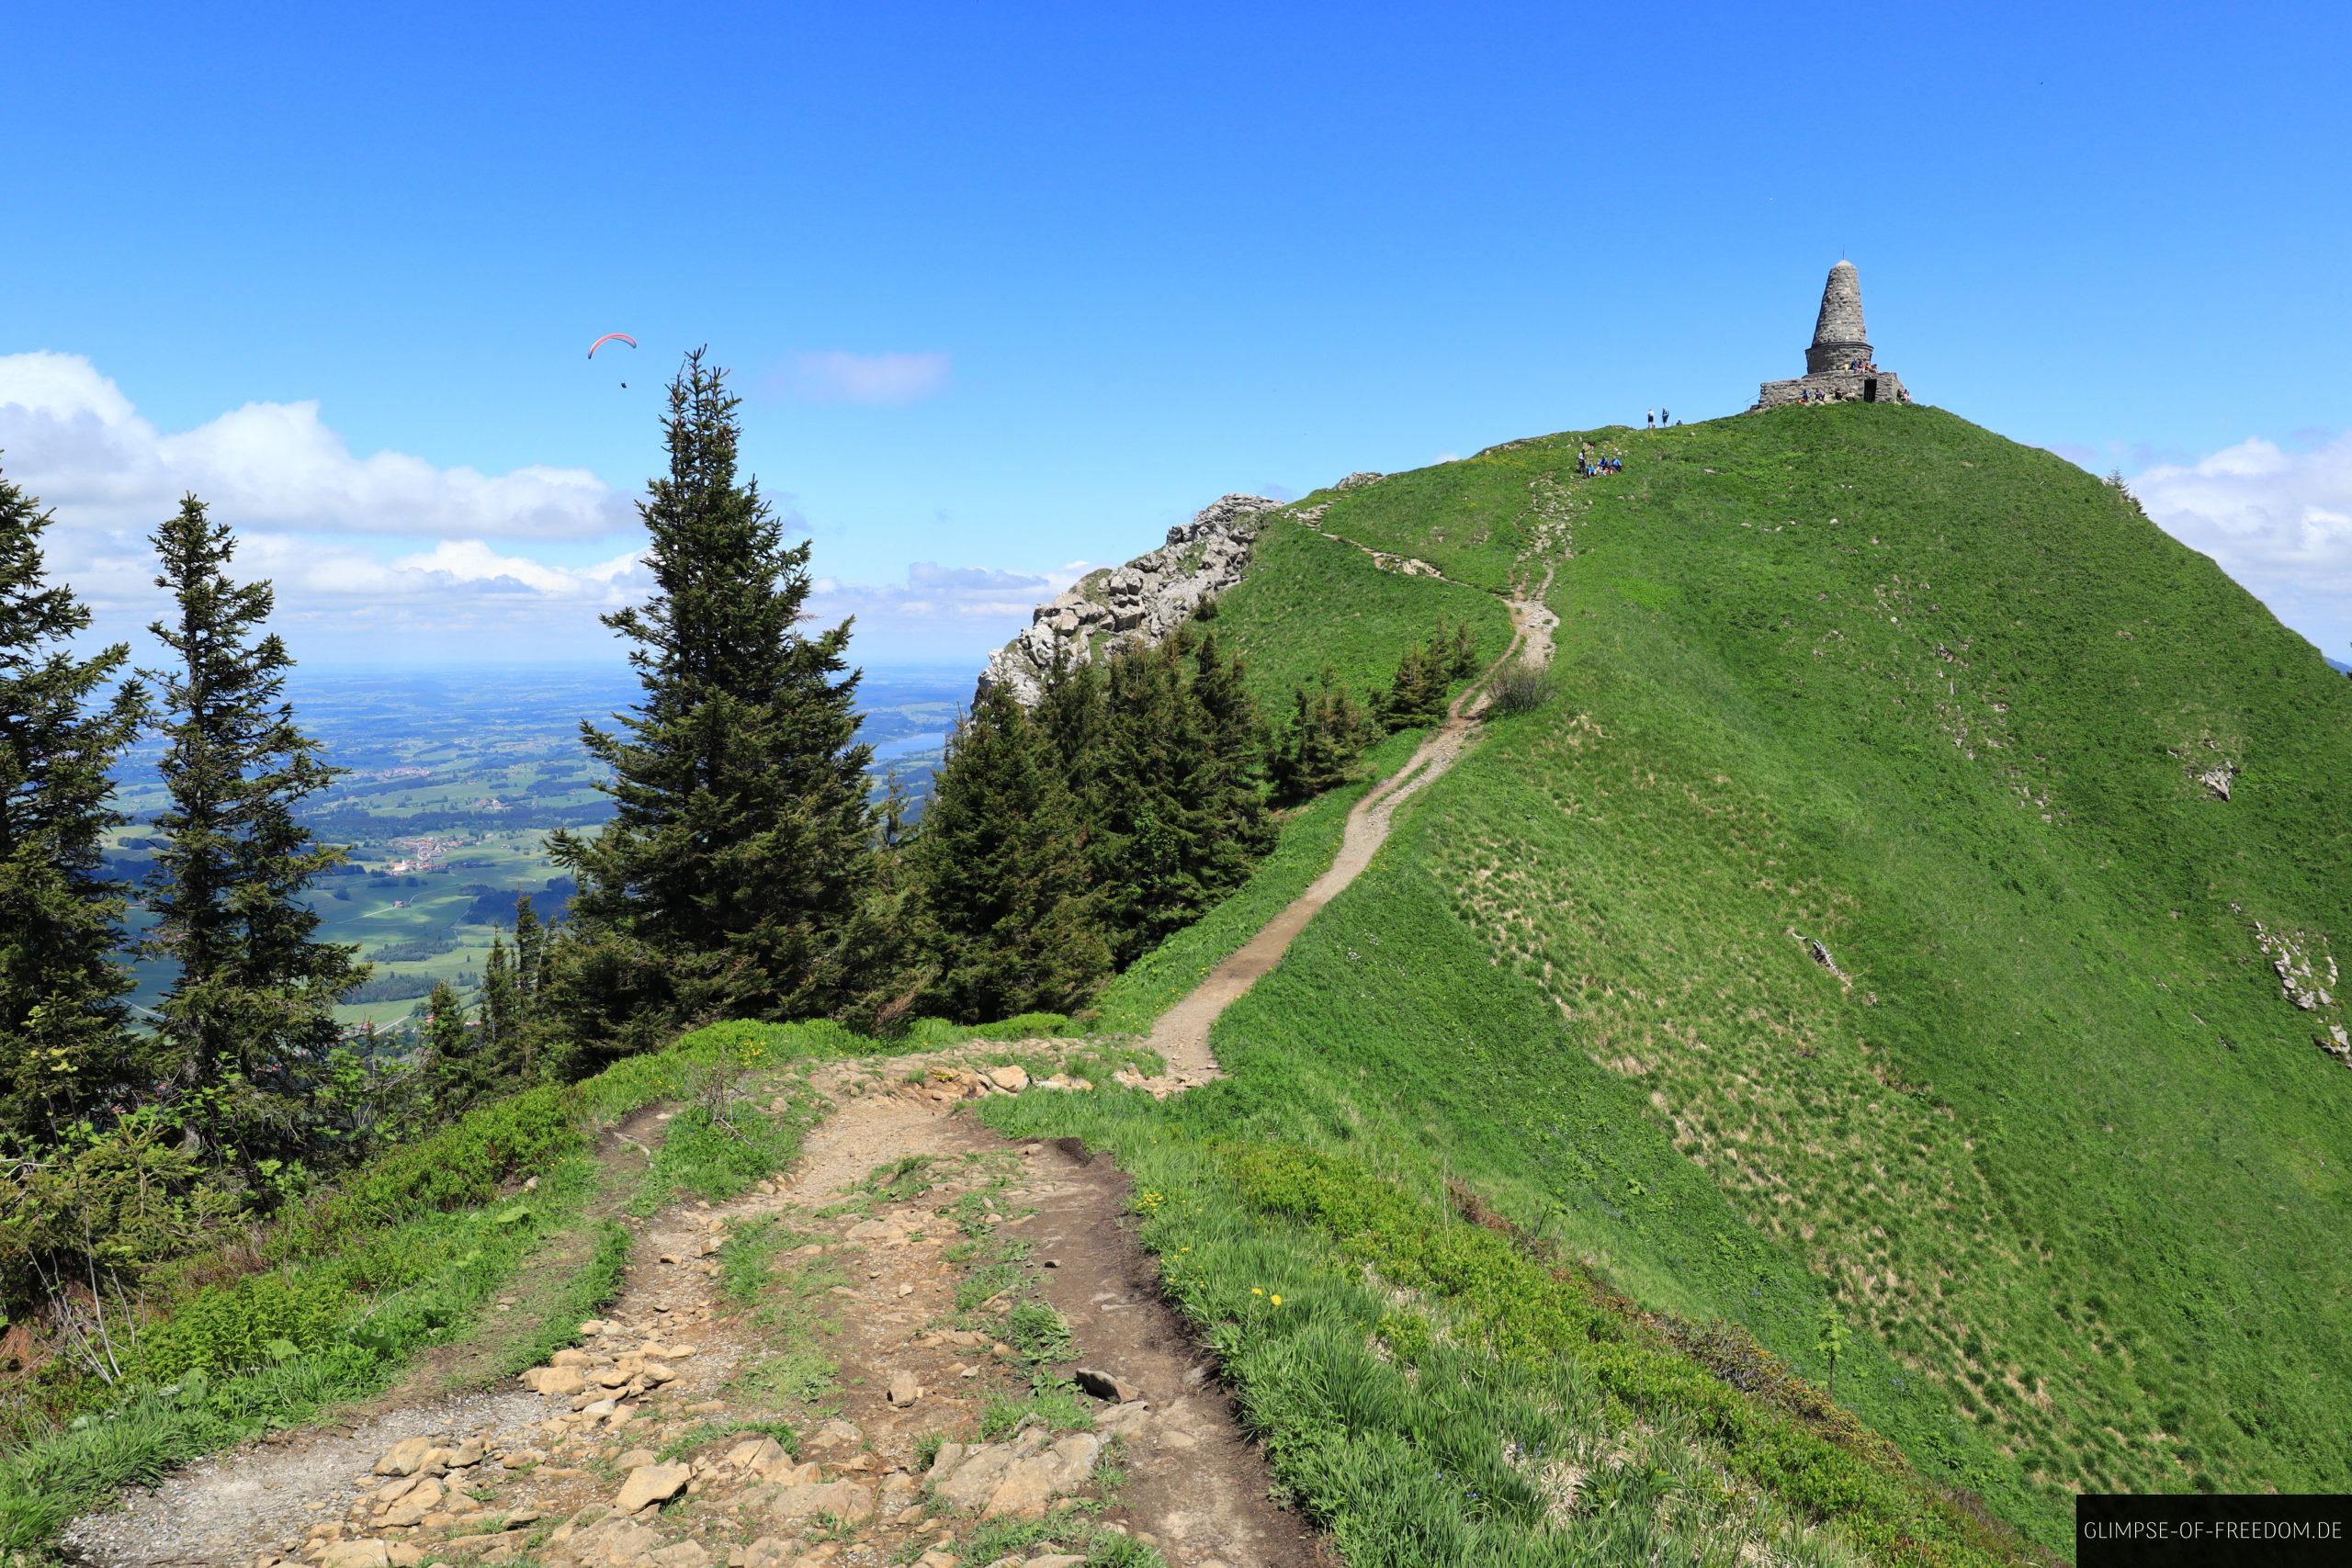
pixel 2048 1136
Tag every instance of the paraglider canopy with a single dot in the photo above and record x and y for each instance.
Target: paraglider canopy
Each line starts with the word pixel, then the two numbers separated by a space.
pixel 610 337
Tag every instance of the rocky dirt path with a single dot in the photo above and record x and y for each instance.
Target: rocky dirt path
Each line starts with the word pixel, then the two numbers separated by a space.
pixel 924 1346
pixel 1181 1035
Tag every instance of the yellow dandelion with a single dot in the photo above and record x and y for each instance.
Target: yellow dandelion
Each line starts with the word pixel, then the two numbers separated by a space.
pixel 1256 1292
pixel 1278 1301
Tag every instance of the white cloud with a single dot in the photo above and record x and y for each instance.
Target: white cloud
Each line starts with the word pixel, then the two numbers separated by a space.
pixel 2279 521
pixel 463 566
pixel 836 375
pixel 471 561
pixel 73 438
pixel 964 605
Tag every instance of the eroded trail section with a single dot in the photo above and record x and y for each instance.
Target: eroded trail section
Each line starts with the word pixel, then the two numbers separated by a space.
pixel 1181 1035
pixel 867 1362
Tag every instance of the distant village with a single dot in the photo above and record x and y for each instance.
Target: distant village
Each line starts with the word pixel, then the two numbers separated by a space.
pixel 425 854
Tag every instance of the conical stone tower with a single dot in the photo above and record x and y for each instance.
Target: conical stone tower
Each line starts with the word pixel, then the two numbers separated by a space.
pixel 1839 367
pixel 1839 338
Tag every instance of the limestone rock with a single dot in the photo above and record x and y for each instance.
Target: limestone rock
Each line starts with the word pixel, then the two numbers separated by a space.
pixel 420 1500
pixel 614 1544
pixel 1106 1385
pixel 356 1554
pixel 904 1389
pixel 755 1453
pixel 650 1484
pixel 1359 480
pixel 565 1380
pixel 1009 1078
pixel 1140 602
pixel 405 1457
pixel 1018 1478
pixel 835 1435
pixel 844 1499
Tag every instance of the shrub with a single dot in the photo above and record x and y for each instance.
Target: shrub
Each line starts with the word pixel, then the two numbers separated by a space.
pixel 1522 688
pixel 261 1318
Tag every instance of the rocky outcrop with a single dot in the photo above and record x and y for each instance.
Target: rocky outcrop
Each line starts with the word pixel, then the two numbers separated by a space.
pixel 1140 602
pixel 2308 981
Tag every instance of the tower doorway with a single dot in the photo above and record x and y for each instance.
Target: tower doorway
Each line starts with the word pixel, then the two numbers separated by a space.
pixel 1870 390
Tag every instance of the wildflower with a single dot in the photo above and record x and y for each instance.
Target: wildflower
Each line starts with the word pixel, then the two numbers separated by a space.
pixel 1256 1292
pixel 1278 1301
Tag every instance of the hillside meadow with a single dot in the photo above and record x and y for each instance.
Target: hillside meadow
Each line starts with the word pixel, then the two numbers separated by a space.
pixel 2035 1122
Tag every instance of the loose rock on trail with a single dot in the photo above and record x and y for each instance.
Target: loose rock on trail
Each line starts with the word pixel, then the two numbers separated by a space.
pixel 847 1402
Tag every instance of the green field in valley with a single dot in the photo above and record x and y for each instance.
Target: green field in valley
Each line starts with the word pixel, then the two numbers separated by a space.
pixel 456 779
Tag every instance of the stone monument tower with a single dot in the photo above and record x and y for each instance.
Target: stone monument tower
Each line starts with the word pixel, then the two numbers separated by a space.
pixel 1838 367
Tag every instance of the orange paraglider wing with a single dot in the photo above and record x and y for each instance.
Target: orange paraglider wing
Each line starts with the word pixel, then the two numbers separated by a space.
pixel 610 337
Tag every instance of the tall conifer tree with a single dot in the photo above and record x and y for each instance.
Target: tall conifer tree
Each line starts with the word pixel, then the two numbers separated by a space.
pixel 740 839
pixel 1234 772
pixel 501 1014
pixel 64 1044
pixel 530 953
pixel 452 1051
pixel 1002 867
pixel 1155 803
pixel 249 1021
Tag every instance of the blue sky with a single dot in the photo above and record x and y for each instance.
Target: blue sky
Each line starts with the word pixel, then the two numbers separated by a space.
pixel 1011 289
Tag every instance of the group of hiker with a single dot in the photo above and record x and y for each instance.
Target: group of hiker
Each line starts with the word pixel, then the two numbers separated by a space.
pixel 1591 467
pixel 1659 419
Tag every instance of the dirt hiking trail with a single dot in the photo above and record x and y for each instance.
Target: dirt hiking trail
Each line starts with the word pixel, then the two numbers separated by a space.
pixel 1181 1035
pixel 851 1365
pixel 863 1300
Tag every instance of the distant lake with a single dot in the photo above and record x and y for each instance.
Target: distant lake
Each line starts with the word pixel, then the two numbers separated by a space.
pixel 928 740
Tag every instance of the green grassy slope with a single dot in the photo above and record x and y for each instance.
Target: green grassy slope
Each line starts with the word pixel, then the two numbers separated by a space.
pixel 2064 1146
pixel 2056 1146
pixel 1309 602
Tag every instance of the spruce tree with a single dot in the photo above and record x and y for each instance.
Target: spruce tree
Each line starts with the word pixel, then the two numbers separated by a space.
pixel 451 1052
pixel 502 1015
pixel 740 843
pixel 1157 801
pixel 249 1019
pixel 1073 713
pixel 1417 696
pixel 1234 774
pixel 66 1046
pixel 1462 662
pixel 1314 752
pixel 530 954
pixel 1001 868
